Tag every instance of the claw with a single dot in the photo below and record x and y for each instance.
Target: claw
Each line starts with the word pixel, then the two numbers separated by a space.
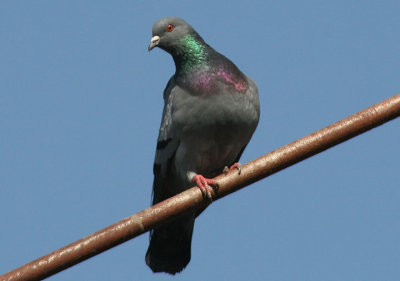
pixel 237 166
pixel 205 185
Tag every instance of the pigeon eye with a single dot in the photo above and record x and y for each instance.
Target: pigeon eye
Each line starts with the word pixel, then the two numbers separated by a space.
pixel 170 27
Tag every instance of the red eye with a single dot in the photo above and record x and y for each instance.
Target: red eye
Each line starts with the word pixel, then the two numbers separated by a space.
pixel 170 27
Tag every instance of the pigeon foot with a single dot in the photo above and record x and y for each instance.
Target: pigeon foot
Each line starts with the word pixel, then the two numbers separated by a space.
pixel 205 185
pixel 237 166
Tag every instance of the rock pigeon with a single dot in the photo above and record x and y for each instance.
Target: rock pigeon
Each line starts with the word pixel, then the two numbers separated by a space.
pixel 211 110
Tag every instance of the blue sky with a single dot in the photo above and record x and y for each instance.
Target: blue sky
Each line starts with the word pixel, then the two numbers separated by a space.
pixel 80 108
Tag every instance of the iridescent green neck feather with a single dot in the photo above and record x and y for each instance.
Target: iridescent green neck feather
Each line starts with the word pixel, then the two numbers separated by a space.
pixel 190 54
pixel 200 68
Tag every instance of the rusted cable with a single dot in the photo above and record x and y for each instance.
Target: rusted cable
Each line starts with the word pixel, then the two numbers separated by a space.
pixel 191 199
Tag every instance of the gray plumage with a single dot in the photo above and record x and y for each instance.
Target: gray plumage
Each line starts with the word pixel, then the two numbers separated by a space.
pixel 211 110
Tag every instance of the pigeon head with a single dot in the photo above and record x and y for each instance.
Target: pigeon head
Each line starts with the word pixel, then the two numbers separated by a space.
pixel 176 37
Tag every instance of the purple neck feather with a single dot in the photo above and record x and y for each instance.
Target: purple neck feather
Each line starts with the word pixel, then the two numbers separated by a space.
pixel 214 77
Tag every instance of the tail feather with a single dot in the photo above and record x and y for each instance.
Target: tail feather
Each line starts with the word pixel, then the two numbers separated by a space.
pixel 169 249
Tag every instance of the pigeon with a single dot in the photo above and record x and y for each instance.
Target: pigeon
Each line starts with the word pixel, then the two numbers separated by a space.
pixel 211 110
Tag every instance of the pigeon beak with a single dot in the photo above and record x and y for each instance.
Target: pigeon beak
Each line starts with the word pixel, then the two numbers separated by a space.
pixel 154 42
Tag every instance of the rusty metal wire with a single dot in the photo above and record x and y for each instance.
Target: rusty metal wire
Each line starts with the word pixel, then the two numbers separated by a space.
pixel 191 199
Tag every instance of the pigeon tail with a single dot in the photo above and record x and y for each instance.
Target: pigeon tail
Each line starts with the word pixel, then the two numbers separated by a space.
pixel 169 249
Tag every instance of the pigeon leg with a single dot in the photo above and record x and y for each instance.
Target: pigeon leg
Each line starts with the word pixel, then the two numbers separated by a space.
pixel 205 185
pixel 237 166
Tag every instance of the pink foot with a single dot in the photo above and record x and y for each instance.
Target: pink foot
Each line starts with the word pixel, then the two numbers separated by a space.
pixel 237 166
pixel 205 185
